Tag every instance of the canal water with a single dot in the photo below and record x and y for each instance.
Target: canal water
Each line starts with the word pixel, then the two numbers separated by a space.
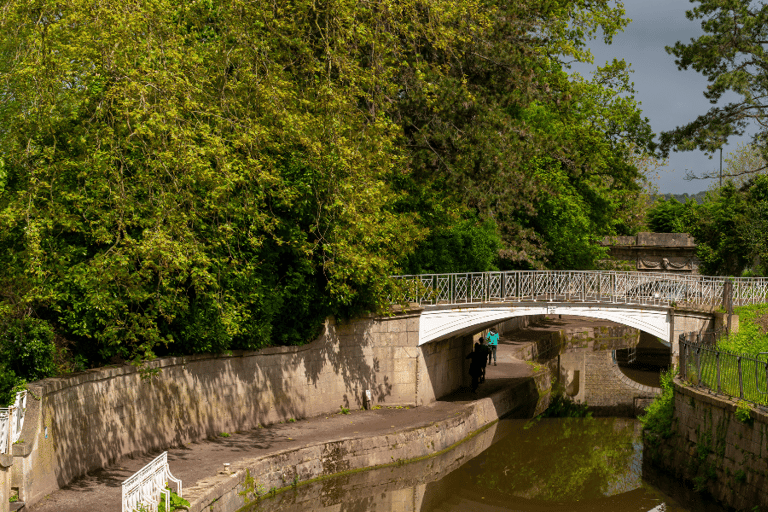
pixel 559 464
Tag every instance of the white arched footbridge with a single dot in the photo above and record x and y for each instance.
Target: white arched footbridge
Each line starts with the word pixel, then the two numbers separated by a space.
pixel 660 304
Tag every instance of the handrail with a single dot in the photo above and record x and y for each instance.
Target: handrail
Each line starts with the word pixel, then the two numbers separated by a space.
pixel 142 490
pixel 12 421
pixel 722 372
pixel 643 288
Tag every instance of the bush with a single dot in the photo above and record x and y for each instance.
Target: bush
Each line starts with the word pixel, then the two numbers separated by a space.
pixel 658 415
pixel 9 383
pixel 27 348
pixel 27 352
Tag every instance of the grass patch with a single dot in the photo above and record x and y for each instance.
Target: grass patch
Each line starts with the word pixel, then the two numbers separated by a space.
pixel 753 331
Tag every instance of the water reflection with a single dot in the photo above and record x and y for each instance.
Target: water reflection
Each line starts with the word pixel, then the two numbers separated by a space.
pixel 570 459
pixel 572 464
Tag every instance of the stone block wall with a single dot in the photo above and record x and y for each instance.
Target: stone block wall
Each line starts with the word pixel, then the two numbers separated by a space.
pixel 713 451
pixel 443 368
pixel 607 390
pixel 89 420
pixel 653 252
pixel 6 462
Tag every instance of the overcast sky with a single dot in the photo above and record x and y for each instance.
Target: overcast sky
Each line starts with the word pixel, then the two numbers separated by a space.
pixel 669 97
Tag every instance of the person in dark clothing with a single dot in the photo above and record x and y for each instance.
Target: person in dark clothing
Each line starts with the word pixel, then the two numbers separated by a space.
pixel 477 357
pixel 484 351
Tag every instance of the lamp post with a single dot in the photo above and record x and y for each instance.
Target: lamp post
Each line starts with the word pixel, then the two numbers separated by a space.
pixel 721 166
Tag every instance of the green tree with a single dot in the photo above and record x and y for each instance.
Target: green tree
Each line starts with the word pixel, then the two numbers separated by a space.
pixel 730 54
pixel 720 244
pixel 507 101
pixel 672 216
pixel 204 176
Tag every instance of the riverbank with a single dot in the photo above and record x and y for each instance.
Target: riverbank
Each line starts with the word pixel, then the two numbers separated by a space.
pixel 278 455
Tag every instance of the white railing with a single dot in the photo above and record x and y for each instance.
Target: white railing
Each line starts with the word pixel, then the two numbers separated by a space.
pixel 643 288
pixel 143 489
pixel 12 421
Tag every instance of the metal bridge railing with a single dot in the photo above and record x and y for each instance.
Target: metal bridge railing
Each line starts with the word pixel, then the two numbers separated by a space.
pixel 643 288
pixel 12 421
pixel 734 375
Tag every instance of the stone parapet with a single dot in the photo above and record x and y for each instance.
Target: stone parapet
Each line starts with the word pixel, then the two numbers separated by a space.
pixel 6 461
pixel 653 252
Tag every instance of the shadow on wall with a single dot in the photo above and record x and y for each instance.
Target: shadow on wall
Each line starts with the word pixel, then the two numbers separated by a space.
pixel 92 419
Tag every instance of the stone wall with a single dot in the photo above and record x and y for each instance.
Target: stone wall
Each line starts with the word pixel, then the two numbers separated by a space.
pixel 713 451
pixel 607 391
pixel 5 481
pixel 87 421
pixel 653 252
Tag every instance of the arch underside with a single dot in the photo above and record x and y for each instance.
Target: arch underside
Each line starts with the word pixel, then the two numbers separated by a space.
pixel 441 324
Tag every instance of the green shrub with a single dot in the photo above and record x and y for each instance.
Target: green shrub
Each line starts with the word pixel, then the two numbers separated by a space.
pixel 177 502
pixel 27 348
pixel 658 416
pixel 8 384
pixel 563 407
pixel 27 353
pixel 744 412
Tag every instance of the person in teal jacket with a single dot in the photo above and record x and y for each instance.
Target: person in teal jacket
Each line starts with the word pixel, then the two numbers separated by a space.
pixel 493 342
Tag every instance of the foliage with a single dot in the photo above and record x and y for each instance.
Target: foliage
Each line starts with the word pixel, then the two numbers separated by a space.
pixel 730 55
pixel 658 417
pixel 176 502
pixel 671 216
pixel 740 166
pixel 744 412
pixel 466 246
pixel 560 406
pixel 202 177
pixel 753 331
pixel 166 181
pixel 508 134
pixel 730 226
pixel 27 353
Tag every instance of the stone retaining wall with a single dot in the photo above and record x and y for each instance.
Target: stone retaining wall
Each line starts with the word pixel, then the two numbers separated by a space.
pixel 713 451
pixel 88 421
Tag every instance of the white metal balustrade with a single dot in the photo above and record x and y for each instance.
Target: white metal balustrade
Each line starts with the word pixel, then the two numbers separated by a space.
pixel 12 421
pixel 143 489
pixel 642 288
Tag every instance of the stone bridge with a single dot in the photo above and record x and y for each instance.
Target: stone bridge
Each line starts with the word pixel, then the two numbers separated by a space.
pixel 661 304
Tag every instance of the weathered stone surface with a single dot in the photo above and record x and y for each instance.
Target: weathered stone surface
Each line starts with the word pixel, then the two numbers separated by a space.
pixel 706 424
pixel 654 252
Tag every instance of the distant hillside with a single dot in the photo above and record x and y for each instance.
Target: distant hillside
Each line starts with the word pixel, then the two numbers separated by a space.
pixel 699 197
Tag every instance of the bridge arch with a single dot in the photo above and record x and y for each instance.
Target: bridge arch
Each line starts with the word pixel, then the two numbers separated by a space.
pixel 442 322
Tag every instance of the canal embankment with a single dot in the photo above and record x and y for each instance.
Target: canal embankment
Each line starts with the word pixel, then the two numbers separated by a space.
pixel 290 453
pixel 716 448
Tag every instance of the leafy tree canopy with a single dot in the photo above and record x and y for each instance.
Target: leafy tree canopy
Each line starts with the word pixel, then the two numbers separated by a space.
pixel 206 176
pixel 731 55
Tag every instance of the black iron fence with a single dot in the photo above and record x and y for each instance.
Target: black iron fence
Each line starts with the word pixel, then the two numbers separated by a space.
pixel 719 371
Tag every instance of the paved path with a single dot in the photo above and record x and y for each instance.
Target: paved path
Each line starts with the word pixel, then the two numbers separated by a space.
pixel 101 490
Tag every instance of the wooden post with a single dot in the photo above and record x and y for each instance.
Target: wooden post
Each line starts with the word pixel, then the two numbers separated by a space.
pixel 728 303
